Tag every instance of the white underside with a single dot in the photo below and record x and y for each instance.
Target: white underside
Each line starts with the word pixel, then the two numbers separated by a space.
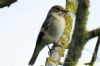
pixel 55 29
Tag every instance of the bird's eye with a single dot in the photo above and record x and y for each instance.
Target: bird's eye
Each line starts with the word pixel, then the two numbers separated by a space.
pixel 58 9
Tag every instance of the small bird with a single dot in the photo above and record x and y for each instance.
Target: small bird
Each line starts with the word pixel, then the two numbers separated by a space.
pixel 52 29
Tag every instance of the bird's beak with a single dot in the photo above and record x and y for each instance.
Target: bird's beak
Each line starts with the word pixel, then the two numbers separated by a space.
pixel 65 11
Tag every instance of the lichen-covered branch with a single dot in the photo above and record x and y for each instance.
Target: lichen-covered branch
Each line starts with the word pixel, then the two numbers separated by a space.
pixel 58 48
pixel 95 52
pixel 94 33
pixel 80 34
pixel 4 3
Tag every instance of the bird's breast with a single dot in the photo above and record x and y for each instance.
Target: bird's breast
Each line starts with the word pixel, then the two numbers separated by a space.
pixel 56 28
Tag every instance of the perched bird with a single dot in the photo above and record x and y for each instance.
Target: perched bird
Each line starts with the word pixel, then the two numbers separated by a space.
pixel 52 29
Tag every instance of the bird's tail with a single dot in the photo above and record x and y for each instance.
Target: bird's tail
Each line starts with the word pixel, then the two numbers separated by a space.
pixel 35 54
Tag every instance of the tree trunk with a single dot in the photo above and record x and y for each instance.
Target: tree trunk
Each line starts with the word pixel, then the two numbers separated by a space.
pixel 80 35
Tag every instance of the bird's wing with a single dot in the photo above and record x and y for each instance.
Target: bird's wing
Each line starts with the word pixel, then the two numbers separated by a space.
pixel 43 29
pixel 46 23
pixel 38 47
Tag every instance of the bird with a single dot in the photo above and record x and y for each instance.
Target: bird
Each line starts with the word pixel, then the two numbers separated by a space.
pixel 51 30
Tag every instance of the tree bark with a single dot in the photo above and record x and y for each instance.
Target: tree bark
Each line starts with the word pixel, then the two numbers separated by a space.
pixel 80 35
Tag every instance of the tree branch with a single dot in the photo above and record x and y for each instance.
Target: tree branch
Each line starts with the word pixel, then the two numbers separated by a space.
pixel 4 3
pixel 79 37
pixel 94 33
pixel 95 52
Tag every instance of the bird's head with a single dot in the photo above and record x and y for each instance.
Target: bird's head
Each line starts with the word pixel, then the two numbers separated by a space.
pixel 59 10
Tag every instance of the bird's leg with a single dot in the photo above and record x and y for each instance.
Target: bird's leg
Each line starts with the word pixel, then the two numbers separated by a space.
pixel 48 47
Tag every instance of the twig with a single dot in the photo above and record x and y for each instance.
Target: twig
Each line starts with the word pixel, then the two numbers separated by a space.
pixel 94 33
pixel 95 53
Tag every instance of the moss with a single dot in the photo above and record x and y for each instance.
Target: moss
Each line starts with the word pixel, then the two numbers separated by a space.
pixel 71 6
pixel 80 35
pixel 69 20
pixel 63 41
pixel 65 37
pixel 61 52
pixel 50 59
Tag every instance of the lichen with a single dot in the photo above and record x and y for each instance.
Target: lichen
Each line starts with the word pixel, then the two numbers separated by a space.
pixel 71 6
